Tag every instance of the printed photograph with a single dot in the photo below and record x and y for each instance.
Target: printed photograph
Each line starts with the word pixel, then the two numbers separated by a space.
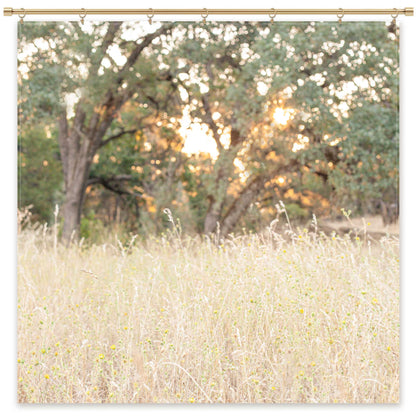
pixel 208 212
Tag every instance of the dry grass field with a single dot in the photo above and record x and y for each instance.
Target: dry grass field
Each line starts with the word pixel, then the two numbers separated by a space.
pixel 263 318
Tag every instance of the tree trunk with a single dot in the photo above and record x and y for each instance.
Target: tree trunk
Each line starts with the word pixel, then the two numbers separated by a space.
pixel 249 194
pixel 389 212
pixel 212 216
pixel 240 205
pixel 72 210
pixel 223 169
pixel 77 162
pixel 77 151
pixel 79 143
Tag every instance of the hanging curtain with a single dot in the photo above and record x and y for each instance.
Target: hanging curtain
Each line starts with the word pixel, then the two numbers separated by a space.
pixel 257 162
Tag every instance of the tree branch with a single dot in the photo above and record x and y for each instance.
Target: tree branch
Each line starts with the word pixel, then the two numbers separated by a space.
pixel 147 40
pixel 115 178
pixel 248 195
pixel 113 184
pixel 108 39
pixel 117 136
pixel 210 121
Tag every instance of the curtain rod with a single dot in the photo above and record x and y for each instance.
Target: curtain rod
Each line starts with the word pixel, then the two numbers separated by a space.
pixel 407 11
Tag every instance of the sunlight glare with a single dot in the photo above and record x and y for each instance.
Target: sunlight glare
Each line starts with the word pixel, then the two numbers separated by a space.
pixel 282 115
pixel 300 144
pixel 196 137
pixel 197 140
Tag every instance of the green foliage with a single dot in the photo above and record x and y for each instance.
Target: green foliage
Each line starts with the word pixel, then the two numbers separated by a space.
pixel 196 192
pixel 40 172
pixel 296 212
pixel 370 156
pixel 91 226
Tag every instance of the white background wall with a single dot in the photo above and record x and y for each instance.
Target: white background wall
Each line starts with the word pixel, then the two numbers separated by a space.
pixel 8 195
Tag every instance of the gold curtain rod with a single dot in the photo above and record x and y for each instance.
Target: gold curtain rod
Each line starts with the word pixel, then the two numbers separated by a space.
pixel 407 11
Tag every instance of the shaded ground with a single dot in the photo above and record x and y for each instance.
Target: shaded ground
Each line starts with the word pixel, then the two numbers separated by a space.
pixel 372 226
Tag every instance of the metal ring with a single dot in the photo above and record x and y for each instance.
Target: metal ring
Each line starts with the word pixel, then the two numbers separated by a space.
pixel 395 15
pixel 272 15
pixel 341 14
pixel 22 15
pixel 150 16
pixel 82 15
pixel 204 15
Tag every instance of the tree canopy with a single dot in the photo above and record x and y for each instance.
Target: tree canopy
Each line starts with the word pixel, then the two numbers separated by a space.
pixel 302 112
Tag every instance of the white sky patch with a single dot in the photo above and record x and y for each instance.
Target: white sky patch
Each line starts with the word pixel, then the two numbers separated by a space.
pixel 106 63
pixel 262 88
pixel 361 82
pixel 344 107
pixel 216 115
pixel 203 88
pixel 183 93
pixel 245 52
pixel 41 44
pixel 198 141
pixel 230 33
pixel 28 50
pixel 287 92
pixel 24 71
pixel 71 99
pixel 83 70
pixel 181 64
pixel 88 27
pixel 301 143
pixel 282 115
pixel 183 76
pixel 197 137
pixel 115 53
pixel 134 31
pixel 225 140
pixel 242 171
pixel 239 164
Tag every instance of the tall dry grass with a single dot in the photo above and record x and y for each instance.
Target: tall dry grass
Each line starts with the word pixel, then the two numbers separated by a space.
pixel 260 318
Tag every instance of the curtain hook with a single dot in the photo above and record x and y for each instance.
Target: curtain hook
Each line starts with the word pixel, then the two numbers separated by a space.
pixel 82 15
pixel 22 15
pixel 395 15
pixel 204 15
pixel 272 15
pixel 150 16
pixel 340 15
